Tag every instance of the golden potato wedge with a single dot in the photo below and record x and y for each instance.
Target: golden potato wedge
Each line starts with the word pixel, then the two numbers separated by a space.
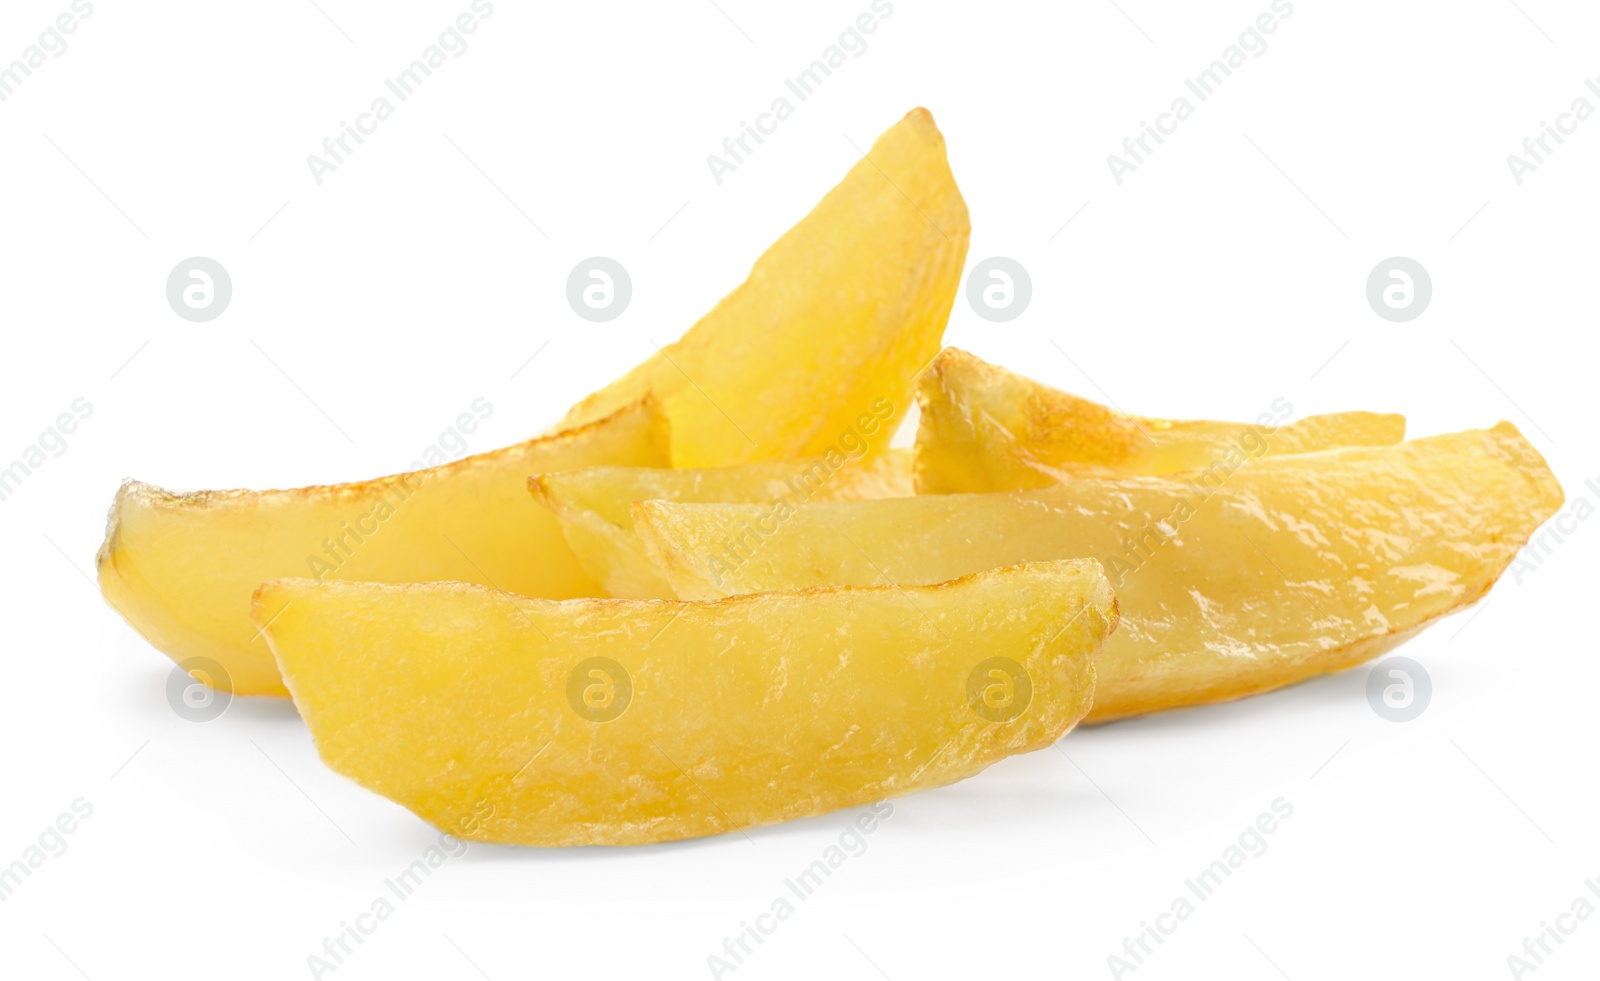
pixel 983 428
pixel 181 568
pixel 622 722
pixel 832 324
pixel 1231 582
pixel 595 506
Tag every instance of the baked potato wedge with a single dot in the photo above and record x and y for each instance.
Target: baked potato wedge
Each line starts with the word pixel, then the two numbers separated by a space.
pixel 833 323
pixel 983 428
pixel 181 568
pixel 1231 582
pixel 620 722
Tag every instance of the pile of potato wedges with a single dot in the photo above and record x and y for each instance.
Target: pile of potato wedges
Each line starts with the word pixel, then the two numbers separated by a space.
pixel 714 596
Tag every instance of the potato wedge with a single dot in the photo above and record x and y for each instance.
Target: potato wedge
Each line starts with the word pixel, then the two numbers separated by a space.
pixel 983 428
pixel 1229 583
pixel 622 722
pixel 595 506
pixel 181 568
pixel 832 324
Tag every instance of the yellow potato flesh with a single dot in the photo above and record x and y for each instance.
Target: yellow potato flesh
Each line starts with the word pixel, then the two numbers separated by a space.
pixel 181 568
pixel 460 703
pixel 595 506
pixel 983 428
pixel 832 324
pixel 1286 568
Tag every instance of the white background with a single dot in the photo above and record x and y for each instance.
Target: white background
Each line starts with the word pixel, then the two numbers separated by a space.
pixel 373 309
